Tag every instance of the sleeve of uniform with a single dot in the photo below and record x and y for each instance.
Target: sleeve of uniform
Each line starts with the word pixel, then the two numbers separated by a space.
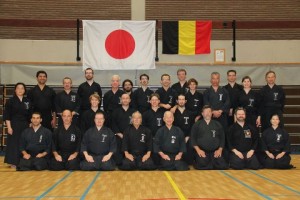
pixel 49 142
pixel 222 136
pixel 23 142
pixel 57 104
pixel 258 103
pixel 7 110
pixel 226 105
pixel 194 134
pixel 181 141
pixel 55 140
pixel 100 91
pixel 263 141
pixel 134 99
pixel 114 119
pixel 125 140
pixel 78 135
pixel 149 139
pixel 174 98
pixel 78 101
pixel 53 100
pixel 105 102
pixel 229 138
pixel 254 138
pixel 206 97
pixel 282 100
pixel 83 146
pixel 113 142
pixel 287 147
pixel 157 141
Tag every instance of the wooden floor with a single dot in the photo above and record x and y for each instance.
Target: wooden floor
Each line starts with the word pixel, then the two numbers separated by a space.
pixel 193 184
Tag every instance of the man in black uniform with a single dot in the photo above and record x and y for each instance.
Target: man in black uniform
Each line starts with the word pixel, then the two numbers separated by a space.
pixel 273 100
pixel 66 145
pixel 242 142
pixel 233 89
pixel 98 145
pixel 127 86
pixel 181 87
pixel 43 99
pixel 86 89
pixel 208 140
pixel 87 119
pixel 184 119
pixel 35 145
pixel 194 99
pixel 166 93
pixel 67 100
pixel 141 96
pixel 121 119
pixel 137 146
pixel 112 99
pixel 170 145
pixel 218 99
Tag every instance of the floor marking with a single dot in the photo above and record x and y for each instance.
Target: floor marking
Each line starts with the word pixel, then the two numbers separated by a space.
pixel 175 187
pixel 90 186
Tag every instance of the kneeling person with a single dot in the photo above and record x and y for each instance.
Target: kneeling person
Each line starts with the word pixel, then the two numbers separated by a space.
pixel 169 143
pixel 137 146
pixel 208 139
pixel 66 145
pixel 35 145
pixel 98 145
pixel 242 142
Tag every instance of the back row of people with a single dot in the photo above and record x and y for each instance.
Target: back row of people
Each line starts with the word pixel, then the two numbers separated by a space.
pixel 85 103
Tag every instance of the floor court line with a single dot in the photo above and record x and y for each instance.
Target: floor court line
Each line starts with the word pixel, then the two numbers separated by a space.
pixel 272 181
pixel 54 186
pixel 175 187
pixel 90 186
pixel 244 184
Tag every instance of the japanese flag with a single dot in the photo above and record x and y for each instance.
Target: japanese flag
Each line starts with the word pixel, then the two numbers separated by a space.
pixel 114 44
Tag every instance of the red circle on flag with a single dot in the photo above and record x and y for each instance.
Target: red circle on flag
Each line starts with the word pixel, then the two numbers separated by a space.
pixel 119 44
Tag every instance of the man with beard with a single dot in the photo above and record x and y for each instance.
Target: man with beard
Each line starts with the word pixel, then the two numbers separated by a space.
pixel 141 96
pixel 43 100
pixel 98 145
pixel 242 142
pixel 208 140
pixel 86 89
pixel 170 145
pixel 166 93
pixel 181 87
pixel 137 146
pixel 35 145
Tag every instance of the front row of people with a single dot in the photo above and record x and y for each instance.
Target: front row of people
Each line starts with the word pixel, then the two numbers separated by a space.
pixel 67 149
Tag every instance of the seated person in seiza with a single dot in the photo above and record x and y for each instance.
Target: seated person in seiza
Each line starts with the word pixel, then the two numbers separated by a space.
pixel 35 145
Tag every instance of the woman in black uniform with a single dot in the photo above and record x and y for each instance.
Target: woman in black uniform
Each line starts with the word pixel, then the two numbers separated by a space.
pixel 276 145
pixel 250 101
pixel 17 116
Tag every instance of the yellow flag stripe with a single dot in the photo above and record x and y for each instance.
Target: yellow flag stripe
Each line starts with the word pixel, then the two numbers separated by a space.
pixel 175 187
pixel 187 37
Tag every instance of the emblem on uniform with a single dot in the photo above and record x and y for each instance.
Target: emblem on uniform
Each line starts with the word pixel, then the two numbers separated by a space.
pixel 130 120
pixel 195 102
pixel 220 97
pixel 73 98
pixel 251 102
pixel 26 105
pixel 73 137
pixel 119 100
pixel 213 133
pixel 173 138
pixel 247 133
pixel 278 137
pixel 41 138
pixel 103 138
pixel 143 138
pixel 186 120
pixel 275 96
pixel 148 99
pixel 158 121
pixel 171 99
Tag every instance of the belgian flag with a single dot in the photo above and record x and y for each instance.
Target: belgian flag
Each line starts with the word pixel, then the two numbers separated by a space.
pixel 186 37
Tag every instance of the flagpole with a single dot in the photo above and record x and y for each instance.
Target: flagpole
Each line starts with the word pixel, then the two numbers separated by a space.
pixel 78 38
pixel 233 42
pixel 156 42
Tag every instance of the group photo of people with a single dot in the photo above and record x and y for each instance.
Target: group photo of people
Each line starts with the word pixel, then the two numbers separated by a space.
pixel 174 127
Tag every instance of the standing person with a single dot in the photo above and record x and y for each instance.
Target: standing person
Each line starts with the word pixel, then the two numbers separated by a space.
pixel 141 96
pixel 87 119
pixel 250 101
pixel 194 99
pixel 276 145
pixel 127 86
pixel 35 145
pixel 181 87
pixel 218 99
pixel 112 98
pixel 16 116
pixel 233 89
pixel 87 88
pixel 98 145
pixel 43 100
pixel 121 119
pixel 170 145
pixel 166 93
pixel 242 143
pixel 67 100
pixel 137 146
pixel 208 140
pixel 184 119
pixel 66 143
pixel 273 100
